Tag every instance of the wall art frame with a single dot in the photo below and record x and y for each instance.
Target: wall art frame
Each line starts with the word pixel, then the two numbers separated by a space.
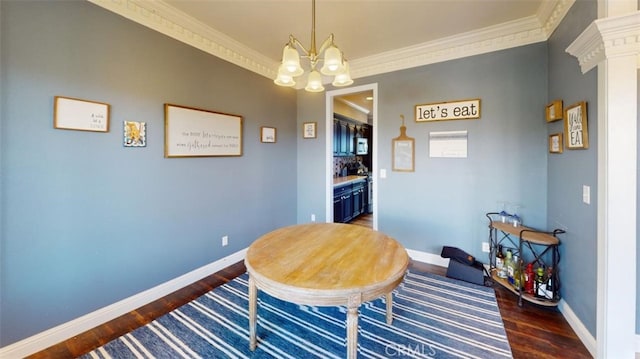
pixel 403 151
pixel 554 111
pixel 576 131
pixel 82 115
pixel 555 143
pixel 268 134
pixel 134 134
pixel 309 130
pixel 194 132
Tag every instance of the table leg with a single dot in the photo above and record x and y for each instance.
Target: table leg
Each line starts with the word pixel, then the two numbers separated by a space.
pixel 352 326
pixel 389 307
pixel 253 293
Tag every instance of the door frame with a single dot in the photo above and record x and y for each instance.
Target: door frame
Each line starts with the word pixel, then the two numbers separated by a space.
pixel 329 146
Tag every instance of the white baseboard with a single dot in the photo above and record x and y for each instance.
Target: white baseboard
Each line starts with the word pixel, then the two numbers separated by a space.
pixel 79 325
pixel 429 258
pixel 581 331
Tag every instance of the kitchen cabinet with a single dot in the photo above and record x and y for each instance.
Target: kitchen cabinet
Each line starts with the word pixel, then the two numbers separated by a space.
pixel 358 196
pixel 345 132
pixel 349 201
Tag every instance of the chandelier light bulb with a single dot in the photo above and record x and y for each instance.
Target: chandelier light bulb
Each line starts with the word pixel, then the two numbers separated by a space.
pixel 343 78
pixel 291 61
pixel 314 82
pixel 332 61
pixel 283 78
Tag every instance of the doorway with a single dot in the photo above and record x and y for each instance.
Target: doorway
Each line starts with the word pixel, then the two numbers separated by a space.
pixel 349 95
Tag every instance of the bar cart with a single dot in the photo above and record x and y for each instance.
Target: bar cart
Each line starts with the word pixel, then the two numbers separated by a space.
pixel 534 246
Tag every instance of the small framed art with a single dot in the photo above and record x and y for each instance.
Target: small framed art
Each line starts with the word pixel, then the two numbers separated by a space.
pixel 267 134
pixel 554 111
pixel 575 127
pixel 309 130
pixel 555 143
pixel 135 134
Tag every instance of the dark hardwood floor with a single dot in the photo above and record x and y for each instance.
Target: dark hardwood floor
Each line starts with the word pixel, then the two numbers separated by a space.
pixel 533 332
pixel 365 220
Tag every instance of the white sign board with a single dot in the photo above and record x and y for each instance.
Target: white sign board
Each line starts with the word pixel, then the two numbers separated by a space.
pixel 451 144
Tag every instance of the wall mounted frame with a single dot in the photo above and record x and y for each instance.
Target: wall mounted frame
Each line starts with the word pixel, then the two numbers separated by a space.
pixel 82 115
pixel 553 111
pixel 268 134
pixel 555 143
pixel 309 130
pixel 575 126
pixel 403 151
pixel 193 132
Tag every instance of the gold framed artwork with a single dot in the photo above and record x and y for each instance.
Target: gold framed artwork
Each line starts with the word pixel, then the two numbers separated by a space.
pixel 553 111
pixel 575 126
pixel 82 115
pixel 555 143
pixel 267 134
pixel 309 130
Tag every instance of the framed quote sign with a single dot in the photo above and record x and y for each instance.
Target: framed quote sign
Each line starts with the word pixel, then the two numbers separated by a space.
pixel 192 132
pixel 575 127
pixel 82 115
pixel 452 110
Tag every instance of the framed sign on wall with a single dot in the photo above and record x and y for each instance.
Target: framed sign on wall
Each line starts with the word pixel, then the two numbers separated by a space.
pixel 575 127
pixel 403 151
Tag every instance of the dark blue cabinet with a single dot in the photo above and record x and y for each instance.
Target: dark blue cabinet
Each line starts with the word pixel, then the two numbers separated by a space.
pixel 349 201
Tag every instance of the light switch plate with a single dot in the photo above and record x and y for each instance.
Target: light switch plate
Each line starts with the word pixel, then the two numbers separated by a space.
pixel 586 194
pixel 383 173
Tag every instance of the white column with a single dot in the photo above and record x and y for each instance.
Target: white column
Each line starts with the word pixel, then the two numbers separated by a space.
pixel 612 43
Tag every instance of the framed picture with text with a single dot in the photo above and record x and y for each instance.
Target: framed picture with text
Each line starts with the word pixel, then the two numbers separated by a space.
pixel 555 143
pixel 267 134
pixel 553 111
pixel 575 127
pixel 309 130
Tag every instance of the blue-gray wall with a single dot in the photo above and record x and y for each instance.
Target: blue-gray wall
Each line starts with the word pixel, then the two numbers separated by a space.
pixel 444 201
pixel 572 169
pixel 86 222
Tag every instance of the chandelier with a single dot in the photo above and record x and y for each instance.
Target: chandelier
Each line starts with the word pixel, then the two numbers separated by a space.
pixel 333 62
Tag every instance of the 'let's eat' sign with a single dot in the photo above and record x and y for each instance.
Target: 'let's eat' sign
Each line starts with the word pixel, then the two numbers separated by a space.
pixel 453 110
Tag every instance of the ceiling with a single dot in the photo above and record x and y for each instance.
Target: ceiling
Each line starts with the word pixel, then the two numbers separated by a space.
pixel 361 27
pixel 376 36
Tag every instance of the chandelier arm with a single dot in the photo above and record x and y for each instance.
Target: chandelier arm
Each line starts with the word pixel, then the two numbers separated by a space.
pixel 327 42
pixel 295 43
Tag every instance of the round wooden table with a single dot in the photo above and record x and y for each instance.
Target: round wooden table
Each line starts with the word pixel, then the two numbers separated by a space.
pixel 325 264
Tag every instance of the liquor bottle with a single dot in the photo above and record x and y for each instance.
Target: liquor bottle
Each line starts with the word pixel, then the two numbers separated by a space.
pixel 541 284
pixel 499 261
pixel 529 279
pixel 517 274
pixel 508 267
pixel 550 290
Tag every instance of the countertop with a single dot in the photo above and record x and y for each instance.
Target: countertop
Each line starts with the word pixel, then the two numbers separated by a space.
pixel 339 181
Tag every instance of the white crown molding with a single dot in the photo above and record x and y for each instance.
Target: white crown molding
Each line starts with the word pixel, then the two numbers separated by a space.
pixel 607 38
pixel 168 20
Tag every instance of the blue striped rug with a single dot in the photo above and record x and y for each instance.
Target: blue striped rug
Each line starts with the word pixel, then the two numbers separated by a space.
pixel 433 317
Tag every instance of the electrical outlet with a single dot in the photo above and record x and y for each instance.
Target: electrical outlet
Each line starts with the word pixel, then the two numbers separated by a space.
pixel 313 218
pixel 225 240
pixel 485 247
